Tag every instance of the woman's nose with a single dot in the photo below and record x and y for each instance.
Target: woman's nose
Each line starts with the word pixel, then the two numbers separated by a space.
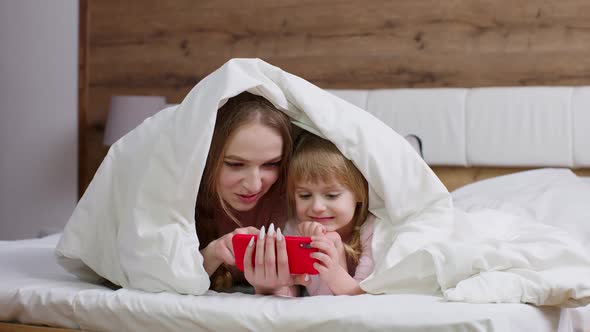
pixel 253 181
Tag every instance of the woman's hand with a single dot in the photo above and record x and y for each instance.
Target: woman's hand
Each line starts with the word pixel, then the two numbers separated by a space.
pixel 311 228
pixel 270 272
pixel 221 250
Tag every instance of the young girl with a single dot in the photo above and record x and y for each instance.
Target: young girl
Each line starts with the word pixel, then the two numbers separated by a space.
pixel 329 198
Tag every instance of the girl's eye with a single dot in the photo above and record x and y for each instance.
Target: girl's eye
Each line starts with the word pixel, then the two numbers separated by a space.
pixel 304 196
pixel 274 164
pixel 332 195
pixel 233 164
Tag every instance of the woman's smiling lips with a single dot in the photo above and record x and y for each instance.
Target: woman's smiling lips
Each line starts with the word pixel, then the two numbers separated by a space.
pixel 248 198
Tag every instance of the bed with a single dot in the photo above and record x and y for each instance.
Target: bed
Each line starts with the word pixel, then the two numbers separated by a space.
pixel 41 293
pixel 36 290
pixel 133 49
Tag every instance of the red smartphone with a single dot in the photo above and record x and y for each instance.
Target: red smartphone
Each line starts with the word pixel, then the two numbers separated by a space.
pixel 298 250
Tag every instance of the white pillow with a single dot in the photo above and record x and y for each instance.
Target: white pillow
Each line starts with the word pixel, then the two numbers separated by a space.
pixel 552 196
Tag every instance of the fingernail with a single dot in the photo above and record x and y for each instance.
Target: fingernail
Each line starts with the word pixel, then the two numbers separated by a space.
pixel 306 278
pixel 251 243
pixel 271 229
pixel 279 235
pixel 262 233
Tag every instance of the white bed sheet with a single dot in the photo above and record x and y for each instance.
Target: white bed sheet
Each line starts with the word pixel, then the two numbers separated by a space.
pixel 36 290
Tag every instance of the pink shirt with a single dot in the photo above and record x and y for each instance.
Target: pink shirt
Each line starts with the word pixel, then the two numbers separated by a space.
pixel 363 268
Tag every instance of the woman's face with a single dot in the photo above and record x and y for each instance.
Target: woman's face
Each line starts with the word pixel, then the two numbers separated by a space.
pixel 250 165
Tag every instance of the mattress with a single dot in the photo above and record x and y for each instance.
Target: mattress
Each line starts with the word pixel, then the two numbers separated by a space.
pixel 36 290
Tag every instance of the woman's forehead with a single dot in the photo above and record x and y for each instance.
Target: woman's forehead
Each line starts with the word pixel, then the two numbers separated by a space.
pixel 254 142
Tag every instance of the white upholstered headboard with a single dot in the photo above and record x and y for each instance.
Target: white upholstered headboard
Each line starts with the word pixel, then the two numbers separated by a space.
pixel 509 126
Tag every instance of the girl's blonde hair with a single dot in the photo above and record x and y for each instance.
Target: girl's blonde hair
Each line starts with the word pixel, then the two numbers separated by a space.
pixel 318 160
pixel 240 110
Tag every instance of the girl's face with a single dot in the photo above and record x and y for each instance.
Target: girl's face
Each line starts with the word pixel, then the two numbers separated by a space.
pixel 329 203
pixel 250 165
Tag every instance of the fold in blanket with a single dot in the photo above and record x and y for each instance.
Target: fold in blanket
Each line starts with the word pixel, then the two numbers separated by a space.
pixel 135 224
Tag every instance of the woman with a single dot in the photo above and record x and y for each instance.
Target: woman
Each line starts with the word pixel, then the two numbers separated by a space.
pixel 243 190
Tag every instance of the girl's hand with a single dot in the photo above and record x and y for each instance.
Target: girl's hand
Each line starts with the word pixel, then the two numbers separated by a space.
pixel 311 228
pixel 332 264
pixel 270 272
pixel 341 253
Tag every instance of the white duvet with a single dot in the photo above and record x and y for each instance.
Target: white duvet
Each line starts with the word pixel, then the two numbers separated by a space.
pixel 135 224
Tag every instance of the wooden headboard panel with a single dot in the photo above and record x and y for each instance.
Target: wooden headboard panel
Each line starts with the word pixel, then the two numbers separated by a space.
pixel 166 47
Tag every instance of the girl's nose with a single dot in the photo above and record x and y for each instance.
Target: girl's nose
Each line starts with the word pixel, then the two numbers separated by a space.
pixel 318 205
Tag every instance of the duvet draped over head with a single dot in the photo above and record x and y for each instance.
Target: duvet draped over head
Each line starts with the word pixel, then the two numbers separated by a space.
pixel 135 224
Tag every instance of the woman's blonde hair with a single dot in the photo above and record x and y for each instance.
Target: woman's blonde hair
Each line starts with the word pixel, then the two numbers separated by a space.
pixel 318 160
pixel 239 111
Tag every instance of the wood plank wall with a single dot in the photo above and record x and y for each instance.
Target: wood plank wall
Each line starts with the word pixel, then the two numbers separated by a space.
pixel 154 47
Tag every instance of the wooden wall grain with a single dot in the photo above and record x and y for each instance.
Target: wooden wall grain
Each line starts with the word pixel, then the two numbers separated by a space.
pixel 154 47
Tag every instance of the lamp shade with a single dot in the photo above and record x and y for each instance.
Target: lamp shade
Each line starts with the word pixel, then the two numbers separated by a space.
pixel 126 112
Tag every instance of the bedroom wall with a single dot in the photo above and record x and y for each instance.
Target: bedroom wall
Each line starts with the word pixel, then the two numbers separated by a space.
pixel 38 116
pixel 165 48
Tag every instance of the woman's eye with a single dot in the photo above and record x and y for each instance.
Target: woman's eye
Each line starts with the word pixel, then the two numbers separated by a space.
pixel 332 195
pixel 233 164
pixel 274 164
